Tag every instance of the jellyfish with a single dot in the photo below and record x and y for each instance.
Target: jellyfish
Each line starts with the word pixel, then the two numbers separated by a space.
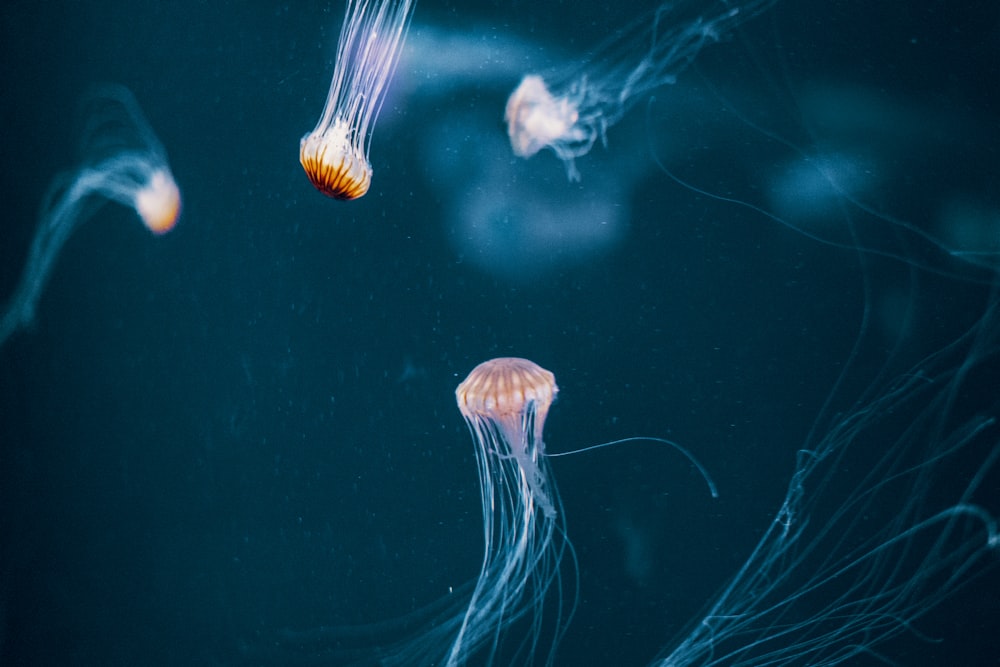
pixel 505 402
pixel 568 111
pixel 335 154
pixel 124 162
pixel 523 579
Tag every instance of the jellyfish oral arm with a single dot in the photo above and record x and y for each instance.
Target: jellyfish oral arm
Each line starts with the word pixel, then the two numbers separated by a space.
pixel 508 446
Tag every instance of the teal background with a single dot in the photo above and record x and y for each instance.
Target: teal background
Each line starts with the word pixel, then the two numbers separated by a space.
pixel 249 424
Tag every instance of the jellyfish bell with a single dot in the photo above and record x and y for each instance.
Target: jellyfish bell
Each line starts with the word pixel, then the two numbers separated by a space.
pixel 503 389
pixel 520 222
pixel 336 163
pixel 335 154
pixel 158 203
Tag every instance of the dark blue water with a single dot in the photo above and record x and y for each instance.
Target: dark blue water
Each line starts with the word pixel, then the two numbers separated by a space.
pixel 248 424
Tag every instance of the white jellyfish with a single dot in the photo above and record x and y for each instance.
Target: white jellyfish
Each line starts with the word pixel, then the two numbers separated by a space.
pixel 335 154
pixel 123 161
pixel 568 111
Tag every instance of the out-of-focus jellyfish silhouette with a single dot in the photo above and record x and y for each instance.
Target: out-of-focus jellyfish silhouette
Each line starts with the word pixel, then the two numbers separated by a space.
pixel 568 111
pixel 335 154
pixel 834 190
pixel 519 223
pixel 123 161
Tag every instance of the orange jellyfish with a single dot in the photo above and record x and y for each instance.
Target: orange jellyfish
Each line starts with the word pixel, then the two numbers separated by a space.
pixel 123 162
pixel 505 401
pixel 522 578
pixel 568 111
pixel 335 154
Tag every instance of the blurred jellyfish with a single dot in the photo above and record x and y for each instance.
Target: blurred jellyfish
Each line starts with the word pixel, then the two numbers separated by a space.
pixel 335 154
pixel 861 155
pixel 123 161
pixel 891 506
pixel 837 165
pixel 883 519
pixel 568 111
pixel 521 231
